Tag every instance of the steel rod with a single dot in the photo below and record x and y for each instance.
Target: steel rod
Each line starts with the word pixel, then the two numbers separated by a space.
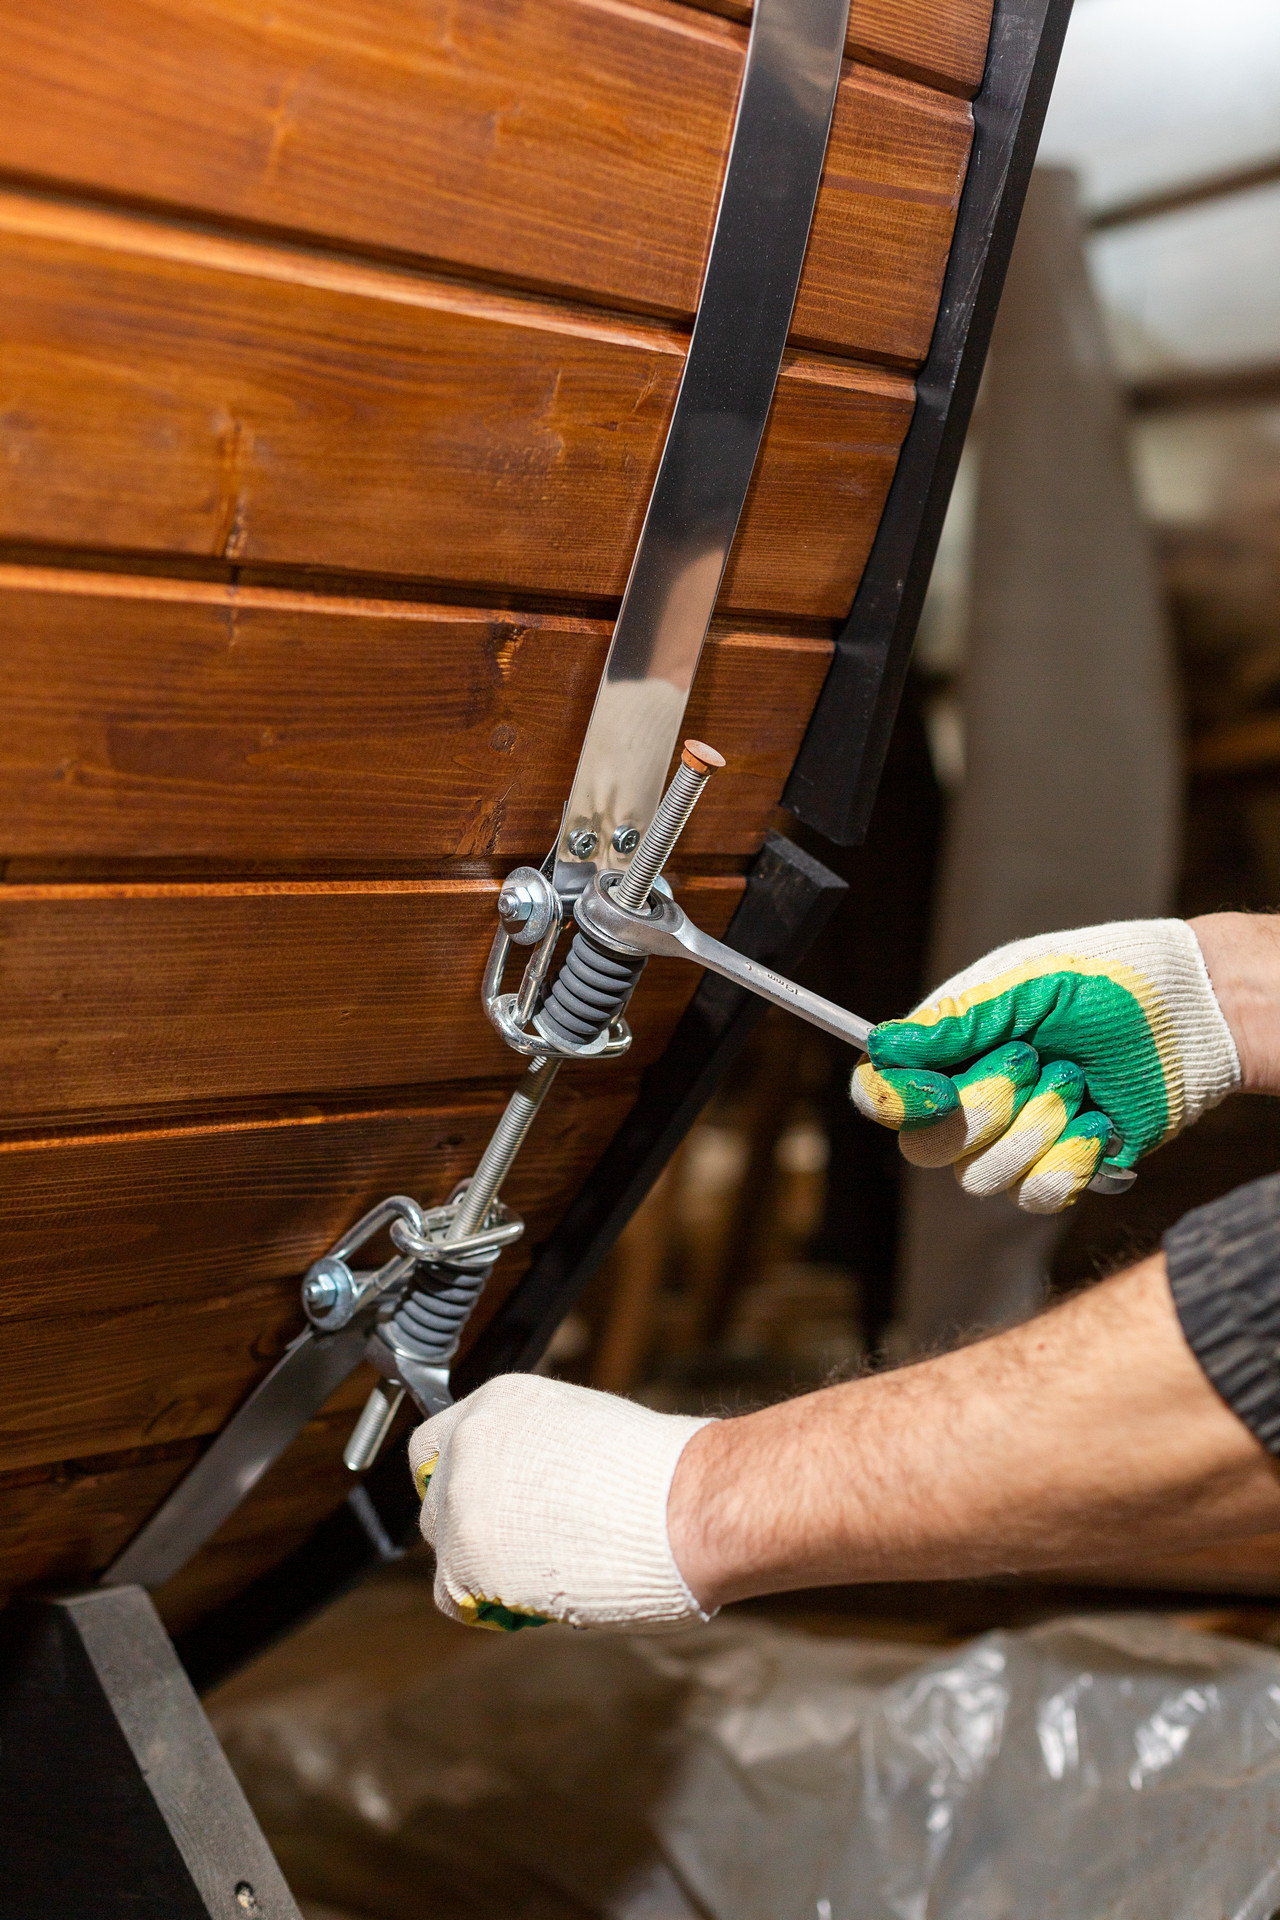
pixel 697 764
pixel 505 1143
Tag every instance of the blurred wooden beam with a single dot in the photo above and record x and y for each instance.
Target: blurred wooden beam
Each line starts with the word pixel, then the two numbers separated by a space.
pixel 1247 746
pixel 641 1256
pixel 1190 193
pixel 1247 386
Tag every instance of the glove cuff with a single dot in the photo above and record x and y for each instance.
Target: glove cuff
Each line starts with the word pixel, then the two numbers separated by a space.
pixel 1211 1061
pixel 648 1583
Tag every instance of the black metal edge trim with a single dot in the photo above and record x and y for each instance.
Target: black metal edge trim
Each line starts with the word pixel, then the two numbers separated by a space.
pixel 788 900
pixel 834 779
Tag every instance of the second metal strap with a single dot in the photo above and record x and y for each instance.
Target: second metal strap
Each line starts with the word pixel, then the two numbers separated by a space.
pixel 753 272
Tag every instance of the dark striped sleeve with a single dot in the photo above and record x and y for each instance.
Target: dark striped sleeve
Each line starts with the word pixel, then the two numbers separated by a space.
pixel 1224 1270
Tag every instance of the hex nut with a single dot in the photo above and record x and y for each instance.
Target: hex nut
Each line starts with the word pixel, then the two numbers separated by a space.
pixel 514 906
pixel 526 905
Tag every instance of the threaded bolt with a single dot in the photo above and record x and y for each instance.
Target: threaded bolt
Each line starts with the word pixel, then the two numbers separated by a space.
pixel 504 1144
pixel 697 764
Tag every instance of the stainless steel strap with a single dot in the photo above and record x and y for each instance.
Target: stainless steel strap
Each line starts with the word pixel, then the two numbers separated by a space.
pixel 312 1368
pixel 753 272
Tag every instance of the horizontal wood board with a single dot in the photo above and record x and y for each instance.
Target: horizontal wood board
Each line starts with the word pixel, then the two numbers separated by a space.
pixel 137 998
pixel 174 393
pixel 159 718
pixel 574 145
pixel 292 1498
pixel 361 288
pixel 940 45
pixel 65 1527
pixel 148 1280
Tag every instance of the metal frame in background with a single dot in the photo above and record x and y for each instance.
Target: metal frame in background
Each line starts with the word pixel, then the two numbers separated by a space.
pixel 789 896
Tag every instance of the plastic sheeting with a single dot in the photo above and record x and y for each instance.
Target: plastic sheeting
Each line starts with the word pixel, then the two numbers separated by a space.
pixel 1094 1767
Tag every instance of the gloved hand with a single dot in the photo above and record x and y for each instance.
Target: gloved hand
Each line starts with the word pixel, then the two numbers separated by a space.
pixel 1022 1068
pixel 545 1501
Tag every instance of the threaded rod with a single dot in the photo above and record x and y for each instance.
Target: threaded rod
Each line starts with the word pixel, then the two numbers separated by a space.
pixel 697 764
pixel 504 1145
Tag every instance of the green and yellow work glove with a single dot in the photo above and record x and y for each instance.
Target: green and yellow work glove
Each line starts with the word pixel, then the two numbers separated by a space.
pixel 545 1501
pixel 1052 1056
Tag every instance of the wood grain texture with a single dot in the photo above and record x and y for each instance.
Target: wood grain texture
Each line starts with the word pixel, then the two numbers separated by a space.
pixel 943 44
pixel 142 998
pixel 574 145
pixel 171 392
pixel 147 1281
pixel 163 718
pixel 66 1524
pixel 338 382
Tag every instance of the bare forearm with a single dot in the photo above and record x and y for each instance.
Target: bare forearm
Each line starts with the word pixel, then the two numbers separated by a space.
pixel 1242 954
pixel 1083 1436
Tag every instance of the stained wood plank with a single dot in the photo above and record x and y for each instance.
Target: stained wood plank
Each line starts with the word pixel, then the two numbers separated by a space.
pixel 136 998
pixel 569 144
pixel 299 1491
pixel 148 1280
pixel 171 392
pixel 166 718
pixel 943 44
pixel 65 1525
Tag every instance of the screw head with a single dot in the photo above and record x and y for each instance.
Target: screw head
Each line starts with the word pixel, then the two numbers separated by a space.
pixel 625 839
pixel 583 842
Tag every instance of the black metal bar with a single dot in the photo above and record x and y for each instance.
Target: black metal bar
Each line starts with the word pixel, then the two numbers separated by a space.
pixel 834 780
pixel 788 900
pixel 116 1801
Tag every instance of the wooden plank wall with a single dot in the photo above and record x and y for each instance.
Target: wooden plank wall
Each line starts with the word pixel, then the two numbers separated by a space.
pixel 337 343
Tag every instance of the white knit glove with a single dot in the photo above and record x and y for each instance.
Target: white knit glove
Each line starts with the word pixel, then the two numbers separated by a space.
pixel 546 1501
pixel 1030 1066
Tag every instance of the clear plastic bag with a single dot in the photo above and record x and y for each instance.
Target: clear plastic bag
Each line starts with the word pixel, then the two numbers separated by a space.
pixel 1091 1769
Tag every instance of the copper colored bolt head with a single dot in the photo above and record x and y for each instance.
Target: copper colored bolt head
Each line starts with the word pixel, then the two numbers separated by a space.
pixel 700 758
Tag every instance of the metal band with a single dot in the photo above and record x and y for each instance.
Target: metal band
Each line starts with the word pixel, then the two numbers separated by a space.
pixel 753 272
pixel 312 1367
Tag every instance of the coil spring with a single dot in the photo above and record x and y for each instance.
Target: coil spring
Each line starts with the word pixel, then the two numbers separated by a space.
pixel 592 987
pixel 428 1323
